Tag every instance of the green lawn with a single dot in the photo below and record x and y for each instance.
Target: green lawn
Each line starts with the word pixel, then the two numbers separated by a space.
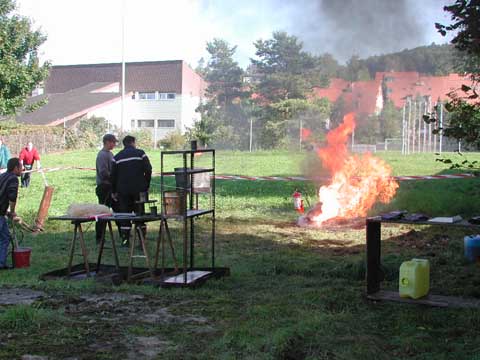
pixel 293 293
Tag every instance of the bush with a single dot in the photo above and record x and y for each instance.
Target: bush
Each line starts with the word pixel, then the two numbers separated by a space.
pixel 173 141
pixel 143 138
pixel 86 134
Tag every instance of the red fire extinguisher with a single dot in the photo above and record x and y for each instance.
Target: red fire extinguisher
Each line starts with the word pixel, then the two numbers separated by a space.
pixel 298 202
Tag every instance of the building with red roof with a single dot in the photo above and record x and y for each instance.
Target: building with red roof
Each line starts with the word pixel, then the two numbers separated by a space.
pixel 368 97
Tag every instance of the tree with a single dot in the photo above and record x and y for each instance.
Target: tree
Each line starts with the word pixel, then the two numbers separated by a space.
pixel 327 67
pixel 357 70
pixel 286 71
pixel 200 69
pixel 367 129
pixel 465 15
pixel 285 77
pixel 464 107
pixel 224 76
pixel 225 115
pixel 390 121
pixel 281 120
pixel 20 68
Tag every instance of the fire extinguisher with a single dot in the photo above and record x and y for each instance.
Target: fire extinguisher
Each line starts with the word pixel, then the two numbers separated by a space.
pixel 298 202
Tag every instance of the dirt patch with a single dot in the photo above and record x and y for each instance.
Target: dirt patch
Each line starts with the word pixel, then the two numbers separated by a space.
pixel 148 347
pixel 20 296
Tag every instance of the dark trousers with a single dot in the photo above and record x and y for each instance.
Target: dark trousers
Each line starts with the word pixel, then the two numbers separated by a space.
pixel 126 204
pixel 104 195
pixel 26 176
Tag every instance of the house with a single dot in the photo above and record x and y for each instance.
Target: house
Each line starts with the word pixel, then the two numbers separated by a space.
pixel 369 97
pixel 160 96
pixel 361 97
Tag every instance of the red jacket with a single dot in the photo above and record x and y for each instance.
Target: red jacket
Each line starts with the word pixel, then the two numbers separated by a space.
pixel 28 157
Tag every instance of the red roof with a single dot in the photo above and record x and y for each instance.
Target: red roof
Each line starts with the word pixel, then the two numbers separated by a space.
pixel 359 96
pixel 435 87
pixel 334 90
pixel 362 96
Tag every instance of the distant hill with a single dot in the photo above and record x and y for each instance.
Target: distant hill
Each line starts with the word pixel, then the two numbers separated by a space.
pixel 431 60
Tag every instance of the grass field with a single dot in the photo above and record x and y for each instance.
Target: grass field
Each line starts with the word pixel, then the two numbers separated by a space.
pixel 293 293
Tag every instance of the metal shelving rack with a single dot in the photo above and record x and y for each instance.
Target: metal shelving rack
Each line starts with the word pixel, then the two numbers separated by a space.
pixel 191 275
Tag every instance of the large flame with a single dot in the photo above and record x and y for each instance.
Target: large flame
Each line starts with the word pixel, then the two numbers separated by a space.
pixel 357 182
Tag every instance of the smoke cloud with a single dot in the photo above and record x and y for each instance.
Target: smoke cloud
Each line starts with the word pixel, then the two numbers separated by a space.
pixel 340 27
pixel 365 27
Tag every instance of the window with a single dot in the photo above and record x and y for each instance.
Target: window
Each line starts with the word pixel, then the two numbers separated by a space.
pixel 166 123
pixel 146 95
pixel 132 122
pixel 146 123
pixel 166 96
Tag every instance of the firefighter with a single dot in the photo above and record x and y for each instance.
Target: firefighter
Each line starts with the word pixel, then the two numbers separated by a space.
pixel 131 175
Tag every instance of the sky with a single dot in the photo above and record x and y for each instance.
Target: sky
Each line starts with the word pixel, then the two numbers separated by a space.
pixel 90 31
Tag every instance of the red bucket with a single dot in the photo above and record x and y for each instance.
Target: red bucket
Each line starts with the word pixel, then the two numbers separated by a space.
pixel 21 257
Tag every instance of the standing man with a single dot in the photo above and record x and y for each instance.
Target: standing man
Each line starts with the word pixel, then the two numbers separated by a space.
pixel 131 175
pixel 8 199
pixel 4 156
pixel 103 190
pixel 27 157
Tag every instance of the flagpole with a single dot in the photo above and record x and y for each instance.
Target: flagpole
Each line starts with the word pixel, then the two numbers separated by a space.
pixel 122 116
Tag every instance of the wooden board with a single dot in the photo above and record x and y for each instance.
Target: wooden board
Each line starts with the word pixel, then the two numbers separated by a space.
pixel 430 300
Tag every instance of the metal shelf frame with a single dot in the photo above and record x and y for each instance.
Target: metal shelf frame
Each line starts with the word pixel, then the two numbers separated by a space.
pixel 189 213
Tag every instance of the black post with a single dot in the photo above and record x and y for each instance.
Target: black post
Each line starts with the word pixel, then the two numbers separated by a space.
pixel 192 220
pixel 373 255
pixel 212 199
pixel 185 219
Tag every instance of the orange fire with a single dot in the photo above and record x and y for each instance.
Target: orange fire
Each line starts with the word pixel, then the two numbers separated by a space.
pixel 357 182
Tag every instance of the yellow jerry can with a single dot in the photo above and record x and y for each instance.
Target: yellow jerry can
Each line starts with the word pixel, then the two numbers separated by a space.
pixel 414 280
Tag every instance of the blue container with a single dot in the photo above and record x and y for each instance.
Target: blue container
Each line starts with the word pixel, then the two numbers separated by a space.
pixel 471 246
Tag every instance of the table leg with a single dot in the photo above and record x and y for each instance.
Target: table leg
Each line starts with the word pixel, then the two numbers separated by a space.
pixel 100 249
pixel 169 237
pixel 114 246
pixel 130 257
pixel 72 249
pixel 138 229
pixel 84 249
pixel 373 256
pixel 159 243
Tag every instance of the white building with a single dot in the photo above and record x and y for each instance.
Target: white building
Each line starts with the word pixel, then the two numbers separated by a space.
pixel 161 96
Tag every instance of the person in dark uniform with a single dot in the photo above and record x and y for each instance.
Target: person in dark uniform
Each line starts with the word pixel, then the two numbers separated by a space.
pixel 131 175
pixel 104 164
pixel 8 199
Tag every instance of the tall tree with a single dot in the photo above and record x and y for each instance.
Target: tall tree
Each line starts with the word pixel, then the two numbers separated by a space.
pixel 225 115
pixel 287 72
pixel 328 68
pixel 20 68
pixel 390 121
pixel 224 76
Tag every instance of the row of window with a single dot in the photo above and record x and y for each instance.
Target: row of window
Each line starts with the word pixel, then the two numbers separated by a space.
pixel 153 95
pixel 151 123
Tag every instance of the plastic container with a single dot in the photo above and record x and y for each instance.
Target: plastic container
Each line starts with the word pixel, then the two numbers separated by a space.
pixel 414 279
pixel 21 257
pixel 471 247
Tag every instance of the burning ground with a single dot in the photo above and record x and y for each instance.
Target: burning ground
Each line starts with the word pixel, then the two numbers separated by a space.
pixel 357 181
